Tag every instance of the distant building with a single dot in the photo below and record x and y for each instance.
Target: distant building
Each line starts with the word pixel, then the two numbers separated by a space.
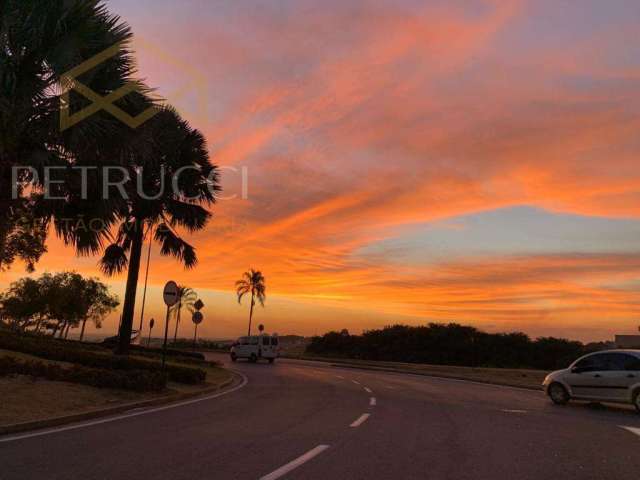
pixel 627 341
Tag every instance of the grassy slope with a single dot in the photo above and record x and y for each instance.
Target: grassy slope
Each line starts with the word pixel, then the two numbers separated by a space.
pixel 26 399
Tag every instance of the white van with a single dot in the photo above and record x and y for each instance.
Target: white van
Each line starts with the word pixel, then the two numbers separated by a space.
pixel 255 347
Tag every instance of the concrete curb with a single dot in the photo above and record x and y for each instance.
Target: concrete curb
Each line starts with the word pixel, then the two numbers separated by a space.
pixel 435 375
pixel 79 417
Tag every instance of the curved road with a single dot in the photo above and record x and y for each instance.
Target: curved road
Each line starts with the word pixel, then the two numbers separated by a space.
pixel 307 420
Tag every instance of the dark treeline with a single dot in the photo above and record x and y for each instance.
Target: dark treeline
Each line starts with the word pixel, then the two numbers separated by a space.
pixel 451 344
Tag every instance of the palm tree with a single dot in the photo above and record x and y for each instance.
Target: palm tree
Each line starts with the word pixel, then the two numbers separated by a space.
pixel 252 281
pixel 170 182
pixel 187 297
pixel 41 40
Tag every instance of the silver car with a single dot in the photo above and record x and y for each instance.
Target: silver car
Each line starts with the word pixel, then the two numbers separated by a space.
pixel 607 376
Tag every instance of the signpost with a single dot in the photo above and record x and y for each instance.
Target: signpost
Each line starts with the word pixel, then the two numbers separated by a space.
pixel 151 324
pixel 197 319
pixel 170 296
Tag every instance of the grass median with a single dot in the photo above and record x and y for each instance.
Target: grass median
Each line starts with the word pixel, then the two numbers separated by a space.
pixel 28 398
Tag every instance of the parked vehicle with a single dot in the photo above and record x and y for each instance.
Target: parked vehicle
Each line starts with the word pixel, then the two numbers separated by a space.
pixel 607 376
pixel 256 347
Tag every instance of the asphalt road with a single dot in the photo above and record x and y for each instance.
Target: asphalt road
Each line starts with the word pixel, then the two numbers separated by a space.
pixel 306 420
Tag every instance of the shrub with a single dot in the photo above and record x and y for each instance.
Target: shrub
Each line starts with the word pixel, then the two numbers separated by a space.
pixel 137 380
pixel 61 351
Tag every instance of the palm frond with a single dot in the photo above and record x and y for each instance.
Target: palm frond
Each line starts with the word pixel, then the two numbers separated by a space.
pixel 114 260
pixel 172 244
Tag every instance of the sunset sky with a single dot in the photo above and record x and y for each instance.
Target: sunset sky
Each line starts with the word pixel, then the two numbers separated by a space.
pixel 406 161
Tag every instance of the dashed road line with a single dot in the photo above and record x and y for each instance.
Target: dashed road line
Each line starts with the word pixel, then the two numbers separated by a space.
pixel 361 419
pixel 372 401
pixel 302 459
pixel 356 382
pixel 506 410
pixel 367 389
pixel 631 429
pixel 340 377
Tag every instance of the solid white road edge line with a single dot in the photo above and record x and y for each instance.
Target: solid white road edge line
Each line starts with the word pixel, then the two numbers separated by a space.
pixel 360 420
pixel 133 413
pixel 631 429
pixel 367 389
pixel 295 463
pixel 372 401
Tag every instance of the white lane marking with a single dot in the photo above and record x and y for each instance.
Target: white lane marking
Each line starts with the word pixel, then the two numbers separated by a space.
pixel 390 387
pixel 132 413
pixel 361 419
pixel 295 463
pixel 631 429
pixel 372 401
pixel 367 389
pixel 340 377
pixel 356 382
pixel 426 376
pixel 505 410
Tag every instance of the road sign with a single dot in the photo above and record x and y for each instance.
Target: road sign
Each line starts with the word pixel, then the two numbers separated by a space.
pixel 170 294
pixel 198 305
pixel 197 317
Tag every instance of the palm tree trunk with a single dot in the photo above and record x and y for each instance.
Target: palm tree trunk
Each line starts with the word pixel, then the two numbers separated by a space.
pixel 84 322
pixel 130 293
pixel 253 302
pixel 175 333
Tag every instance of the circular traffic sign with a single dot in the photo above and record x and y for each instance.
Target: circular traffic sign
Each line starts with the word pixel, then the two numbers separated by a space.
pixel 170 294
pixel 197 317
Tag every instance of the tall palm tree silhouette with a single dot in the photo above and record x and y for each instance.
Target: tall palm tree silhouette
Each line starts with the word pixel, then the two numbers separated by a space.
pixel 252 281
pixel 39 42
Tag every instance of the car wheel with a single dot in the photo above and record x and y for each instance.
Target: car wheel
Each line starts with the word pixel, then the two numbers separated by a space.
pixel 253 358
pixel 636 400
pixel 558 394
pixel 234 357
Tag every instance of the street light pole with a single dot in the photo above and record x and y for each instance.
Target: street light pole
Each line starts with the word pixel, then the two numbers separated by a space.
pixel 146 277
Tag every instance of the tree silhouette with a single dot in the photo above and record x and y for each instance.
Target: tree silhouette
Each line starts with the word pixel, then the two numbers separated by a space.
pixel 187 297
pixel 39 42
pixel 253 282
